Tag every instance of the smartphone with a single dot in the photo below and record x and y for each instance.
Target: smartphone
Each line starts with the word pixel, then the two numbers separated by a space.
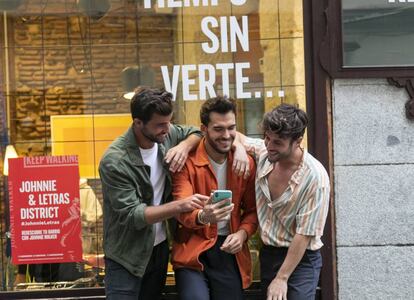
pixel 219 195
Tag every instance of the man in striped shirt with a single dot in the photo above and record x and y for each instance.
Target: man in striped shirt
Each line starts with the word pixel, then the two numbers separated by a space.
pixel 292 198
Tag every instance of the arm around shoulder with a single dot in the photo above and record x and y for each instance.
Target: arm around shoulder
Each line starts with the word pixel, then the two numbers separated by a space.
pixel 187 141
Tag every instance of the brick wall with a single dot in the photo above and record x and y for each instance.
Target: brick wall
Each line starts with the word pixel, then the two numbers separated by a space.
pixel 71 65
pixel 65 65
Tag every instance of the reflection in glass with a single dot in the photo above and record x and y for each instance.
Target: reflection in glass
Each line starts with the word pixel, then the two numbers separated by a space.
pixel 377 34
pixel 65 61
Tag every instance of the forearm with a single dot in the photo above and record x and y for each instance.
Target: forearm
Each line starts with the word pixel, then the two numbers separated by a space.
pixel 191 142
pixel 295 253
pixel 155 214
pixel 240 138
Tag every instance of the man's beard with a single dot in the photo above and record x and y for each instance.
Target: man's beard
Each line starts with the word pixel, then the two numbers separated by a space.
pixel 216 148
pixel 281 155
pixel 153 138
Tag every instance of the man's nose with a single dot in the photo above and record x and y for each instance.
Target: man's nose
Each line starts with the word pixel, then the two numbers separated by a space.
pixel 166 129
pixel 226 134
pixel 270 147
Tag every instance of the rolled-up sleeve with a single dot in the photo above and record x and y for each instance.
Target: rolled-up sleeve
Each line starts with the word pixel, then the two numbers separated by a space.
pixel 311 217
pixel 121 194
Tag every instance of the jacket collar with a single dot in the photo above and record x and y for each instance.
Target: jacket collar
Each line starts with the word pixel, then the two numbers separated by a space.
pixel 201 157
pixel 132 148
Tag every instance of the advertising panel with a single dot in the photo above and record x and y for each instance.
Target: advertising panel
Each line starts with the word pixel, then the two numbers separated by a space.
pixel 44 209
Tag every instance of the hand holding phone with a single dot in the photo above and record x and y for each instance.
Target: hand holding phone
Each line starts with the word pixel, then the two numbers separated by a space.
pixel 219 209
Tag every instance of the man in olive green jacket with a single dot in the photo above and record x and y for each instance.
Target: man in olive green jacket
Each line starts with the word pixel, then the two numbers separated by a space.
pixel 136 185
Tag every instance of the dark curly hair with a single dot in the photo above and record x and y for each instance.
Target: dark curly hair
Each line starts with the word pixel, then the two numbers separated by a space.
pixel 287 121
pixel 148 101
pixel 219 104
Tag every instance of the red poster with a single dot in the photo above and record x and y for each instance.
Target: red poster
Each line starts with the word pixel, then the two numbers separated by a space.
pixel 45 219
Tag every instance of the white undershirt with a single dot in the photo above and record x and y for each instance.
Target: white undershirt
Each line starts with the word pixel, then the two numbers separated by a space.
pixel 221 175
pixel 157 177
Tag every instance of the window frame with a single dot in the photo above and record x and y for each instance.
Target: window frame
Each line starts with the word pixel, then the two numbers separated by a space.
pixel 331 51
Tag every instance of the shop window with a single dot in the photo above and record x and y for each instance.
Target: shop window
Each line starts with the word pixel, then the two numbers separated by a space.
pixel 61 84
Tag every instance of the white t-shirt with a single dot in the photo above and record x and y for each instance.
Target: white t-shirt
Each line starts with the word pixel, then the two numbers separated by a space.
pixel 221 175
pixel 157 177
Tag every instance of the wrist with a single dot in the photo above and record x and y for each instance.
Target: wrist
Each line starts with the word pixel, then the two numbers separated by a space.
pixel 243 234
pixel 282 276
pixel 180 208
pixel 201 219
pixel 186 146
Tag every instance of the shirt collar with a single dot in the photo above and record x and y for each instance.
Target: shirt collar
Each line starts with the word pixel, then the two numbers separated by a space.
pixel 267 167
pixel 297 176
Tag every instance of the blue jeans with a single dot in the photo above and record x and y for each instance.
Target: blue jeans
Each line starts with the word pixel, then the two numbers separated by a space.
pixel 302 282
pixel 120 284
pixel 219 280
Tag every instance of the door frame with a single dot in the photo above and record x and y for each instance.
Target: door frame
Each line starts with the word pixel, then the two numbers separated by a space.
pixel 318 102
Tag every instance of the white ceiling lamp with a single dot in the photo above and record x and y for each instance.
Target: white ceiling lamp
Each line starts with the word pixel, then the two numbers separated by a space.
pixel 134 76
pixel 96 9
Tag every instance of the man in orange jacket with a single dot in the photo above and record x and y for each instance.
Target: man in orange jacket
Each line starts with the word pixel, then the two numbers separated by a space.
pixel 210 255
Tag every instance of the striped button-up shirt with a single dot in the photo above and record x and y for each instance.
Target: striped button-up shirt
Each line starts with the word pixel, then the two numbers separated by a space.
pixel 303 206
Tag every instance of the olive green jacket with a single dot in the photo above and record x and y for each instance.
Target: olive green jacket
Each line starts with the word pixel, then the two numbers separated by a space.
pixel 127 191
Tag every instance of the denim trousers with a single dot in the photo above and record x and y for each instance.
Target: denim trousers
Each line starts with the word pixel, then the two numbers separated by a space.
pixel 220 279
pixel 302 282
pixel 120 284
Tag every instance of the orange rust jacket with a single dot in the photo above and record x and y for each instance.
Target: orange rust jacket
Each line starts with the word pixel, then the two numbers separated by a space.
pixel 191 239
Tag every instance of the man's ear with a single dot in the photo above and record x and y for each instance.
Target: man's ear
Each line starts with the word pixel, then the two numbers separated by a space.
pixel 299 141
pixel 203 129
pixel 137 122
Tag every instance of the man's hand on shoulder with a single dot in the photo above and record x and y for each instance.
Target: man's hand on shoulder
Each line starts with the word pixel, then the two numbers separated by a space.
pixel 176 157
pixel 241 163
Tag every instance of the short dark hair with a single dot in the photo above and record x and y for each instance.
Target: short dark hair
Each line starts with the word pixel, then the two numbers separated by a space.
pixel 287 121
pixel 147 101
pixel 219 104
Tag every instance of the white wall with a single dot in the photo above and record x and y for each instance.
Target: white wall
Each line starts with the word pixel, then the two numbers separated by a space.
pixel 374 190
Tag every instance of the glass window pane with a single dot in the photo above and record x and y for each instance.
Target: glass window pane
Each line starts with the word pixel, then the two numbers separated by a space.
pixel 66 70
pixel 377 33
